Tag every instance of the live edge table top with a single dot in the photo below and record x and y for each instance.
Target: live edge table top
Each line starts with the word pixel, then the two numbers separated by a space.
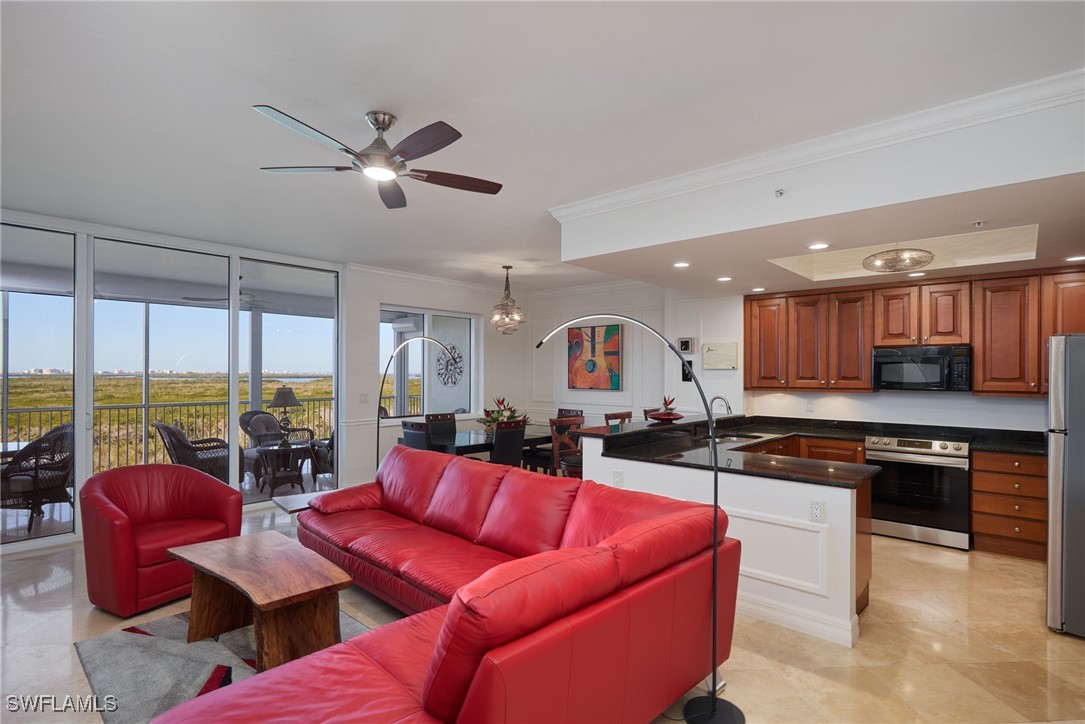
pixel 269 568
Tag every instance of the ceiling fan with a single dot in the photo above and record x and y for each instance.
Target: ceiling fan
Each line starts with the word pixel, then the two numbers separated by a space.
pixel 384 164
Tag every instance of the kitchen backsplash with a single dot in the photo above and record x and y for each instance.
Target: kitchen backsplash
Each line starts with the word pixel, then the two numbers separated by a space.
pixel 909 407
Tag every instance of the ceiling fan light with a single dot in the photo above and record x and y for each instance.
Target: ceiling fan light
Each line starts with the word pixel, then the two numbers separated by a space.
pixel 898 260
pixel 379 173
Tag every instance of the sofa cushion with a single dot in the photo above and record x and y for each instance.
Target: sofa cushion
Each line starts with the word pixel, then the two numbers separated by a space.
pixel 408 478
pixel 602 510
pixel 463 496
pixel 395 548
pixel 528 514
pixel 442 571
pixel 506 603
pixel 342 529
pixel 647 547
pixel 357 497
pixel 152 539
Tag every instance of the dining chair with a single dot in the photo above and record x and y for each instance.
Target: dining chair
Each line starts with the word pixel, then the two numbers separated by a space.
pixel 416 434
pixel 508 446
pixel 569 412
pixel 564 446
pixel 441 423
pixel 649 410
pixel 619 417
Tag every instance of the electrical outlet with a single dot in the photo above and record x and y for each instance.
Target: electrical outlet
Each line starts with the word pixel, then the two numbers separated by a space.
pixel 817 511
pixel 363 397
pixel 809 405
pixel 617 479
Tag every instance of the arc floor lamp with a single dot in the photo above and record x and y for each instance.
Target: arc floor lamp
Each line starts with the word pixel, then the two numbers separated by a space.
pixel 384 377
pixel 710 708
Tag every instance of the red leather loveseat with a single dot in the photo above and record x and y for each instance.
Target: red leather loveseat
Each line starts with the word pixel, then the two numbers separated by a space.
pixel 539 599
pixel 131 515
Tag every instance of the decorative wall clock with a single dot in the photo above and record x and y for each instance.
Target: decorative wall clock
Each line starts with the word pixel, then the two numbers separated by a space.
pixel 450 368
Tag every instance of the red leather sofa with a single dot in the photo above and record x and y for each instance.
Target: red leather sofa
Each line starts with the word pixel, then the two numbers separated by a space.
pixel 538 599
pixel 131 515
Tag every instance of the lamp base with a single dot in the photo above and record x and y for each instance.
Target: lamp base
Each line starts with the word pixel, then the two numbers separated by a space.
pixel 284 422
pixel 699 710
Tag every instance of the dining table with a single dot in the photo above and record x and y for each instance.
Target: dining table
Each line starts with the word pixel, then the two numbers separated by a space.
pixel 9 448
pixel 467 442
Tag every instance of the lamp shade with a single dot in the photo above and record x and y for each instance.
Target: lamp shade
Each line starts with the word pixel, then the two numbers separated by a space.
pixel 284 397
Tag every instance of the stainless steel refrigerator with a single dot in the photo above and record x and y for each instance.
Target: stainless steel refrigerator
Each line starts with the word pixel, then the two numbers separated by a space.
pixel 1066 485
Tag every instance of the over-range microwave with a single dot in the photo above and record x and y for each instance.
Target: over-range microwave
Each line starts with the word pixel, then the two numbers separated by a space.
pixel 946 369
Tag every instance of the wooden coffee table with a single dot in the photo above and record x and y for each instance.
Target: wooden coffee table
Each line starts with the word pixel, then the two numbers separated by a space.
pixel 285 590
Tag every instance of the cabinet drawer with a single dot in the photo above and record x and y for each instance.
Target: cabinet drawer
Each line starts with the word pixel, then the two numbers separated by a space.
pixel 1010 463
pixel 1010 527
pixel 1008 505
pixel 984 482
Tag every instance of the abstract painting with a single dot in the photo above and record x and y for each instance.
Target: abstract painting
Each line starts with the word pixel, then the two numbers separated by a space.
pixel 595 357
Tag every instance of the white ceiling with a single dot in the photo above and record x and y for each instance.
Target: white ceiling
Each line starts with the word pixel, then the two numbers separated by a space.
pixel 139 114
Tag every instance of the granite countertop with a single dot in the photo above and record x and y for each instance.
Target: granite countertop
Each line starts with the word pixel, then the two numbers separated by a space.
pixel 800 470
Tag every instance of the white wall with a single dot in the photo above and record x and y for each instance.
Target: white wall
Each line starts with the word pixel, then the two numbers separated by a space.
pixel 642 355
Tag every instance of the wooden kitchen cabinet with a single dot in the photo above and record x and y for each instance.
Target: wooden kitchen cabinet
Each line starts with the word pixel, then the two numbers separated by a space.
pixel 1006 326
pixel 766 343
pixel 807 344
pixel 945 313
pixel 896 316
pixel 1062 312
pixel 841 451
pixel 851 322
pixel 1009 504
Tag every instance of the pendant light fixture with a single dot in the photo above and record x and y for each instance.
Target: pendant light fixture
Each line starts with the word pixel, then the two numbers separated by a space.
pixel 506 316
pixel 898 260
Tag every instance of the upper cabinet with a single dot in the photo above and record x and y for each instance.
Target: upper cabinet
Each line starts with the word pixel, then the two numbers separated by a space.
pixel 896 316
pixel 823 340
pixel 1006 322
pixel 927 314
pixel 945 313
pixel 766 343
pixel 1063 310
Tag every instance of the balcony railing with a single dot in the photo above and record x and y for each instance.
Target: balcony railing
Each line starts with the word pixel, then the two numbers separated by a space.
pixel 123 435
pixel 414 405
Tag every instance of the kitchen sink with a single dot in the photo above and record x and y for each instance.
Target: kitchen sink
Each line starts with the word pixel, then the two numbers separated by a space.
pixel 737 438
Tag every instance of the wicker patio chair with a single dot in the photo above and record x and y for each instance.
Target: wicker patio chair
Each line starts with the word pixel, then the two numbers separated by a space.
pixel 210 454
pixel 323 456
pixel 40 473
pixel 263 429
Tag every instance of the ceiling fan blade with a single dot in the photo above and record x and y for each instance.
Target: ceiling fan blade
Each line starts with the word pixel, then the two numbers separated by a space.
pixel 295 125
pixel 391 194
pixel 425 141
pixel 455 181
pixel 305 169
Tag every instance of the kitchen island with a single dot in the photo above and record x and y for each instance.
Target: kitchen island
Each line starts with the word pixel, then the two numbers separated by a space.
pixel 804 524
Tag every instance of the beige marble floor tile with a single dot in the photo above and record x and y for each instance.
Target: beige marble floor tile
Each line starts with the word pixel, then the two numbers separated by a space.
pixel 23 666
pixel 1031 640
pixel 1072 673
pixel 941 641
pixel 848 694
pixel 942 694
pixel 1029 689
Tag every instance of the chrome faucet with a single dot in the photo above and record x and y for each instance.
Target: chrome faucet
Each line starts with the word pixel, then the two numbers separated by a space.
pixel 726 404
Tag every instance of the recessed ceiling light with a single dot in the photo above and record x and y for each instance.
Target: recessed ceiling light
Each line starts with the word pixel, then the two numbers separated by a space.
pixel 758 289
pixel 918 274
pixel 681 264
pixel 1075 258
pixel 723 279
pixel 818 245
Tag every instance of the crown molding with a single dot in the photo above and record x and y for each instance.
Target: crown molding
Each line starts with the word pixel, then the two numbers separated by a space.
pixel 1051 92
pixel 590 289
pixel 402 276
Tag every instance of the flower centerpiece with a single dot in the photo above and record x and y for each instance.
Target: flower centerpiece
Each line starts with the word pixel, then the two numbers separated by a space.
pixel 502 413
pixel 668 404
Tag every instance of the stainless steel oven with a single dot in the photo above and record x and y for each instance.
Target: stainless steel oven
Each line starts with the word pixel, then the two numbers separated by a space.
pixel 923 491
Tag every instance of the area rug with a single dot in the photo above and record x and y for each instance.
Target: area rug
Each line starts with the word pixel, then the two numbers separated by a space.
pixel 150 668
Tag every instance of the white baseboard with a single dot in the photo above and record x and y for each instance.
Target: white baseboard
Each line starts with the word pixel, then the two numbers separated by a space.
pixel 837 631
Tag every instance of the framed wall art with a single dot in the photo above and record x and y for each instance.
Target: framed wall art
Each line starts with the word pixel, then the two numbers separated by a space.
pixel 595 357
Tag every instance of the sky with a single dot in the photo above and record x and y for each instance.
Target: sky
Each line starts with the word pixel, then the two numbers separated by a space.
pixel 181 338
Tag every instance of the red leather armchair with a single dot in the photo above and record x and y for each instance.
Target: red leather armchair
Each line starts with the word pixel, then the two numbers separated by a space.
pixel 131 515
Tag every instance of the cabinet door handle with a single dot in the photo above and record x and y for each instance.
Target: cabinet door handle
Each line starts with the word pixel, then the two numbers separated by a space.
pixel 1031 384
pixel 926 338
pixel 1017 486
pixel 823 382
pixel 1016 529
pixel 1017 463
pixel 913 339
pixel 1017 507
pixel 781 382
pixel 832 382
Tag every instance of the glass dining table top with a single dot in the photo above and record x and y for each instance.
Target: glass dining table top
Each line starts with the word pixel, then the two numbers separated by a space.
pixel 474 441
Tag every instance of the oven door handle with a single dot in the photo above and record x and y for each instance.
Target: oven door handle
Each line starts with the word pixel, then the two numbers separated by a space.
pixel 898 457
